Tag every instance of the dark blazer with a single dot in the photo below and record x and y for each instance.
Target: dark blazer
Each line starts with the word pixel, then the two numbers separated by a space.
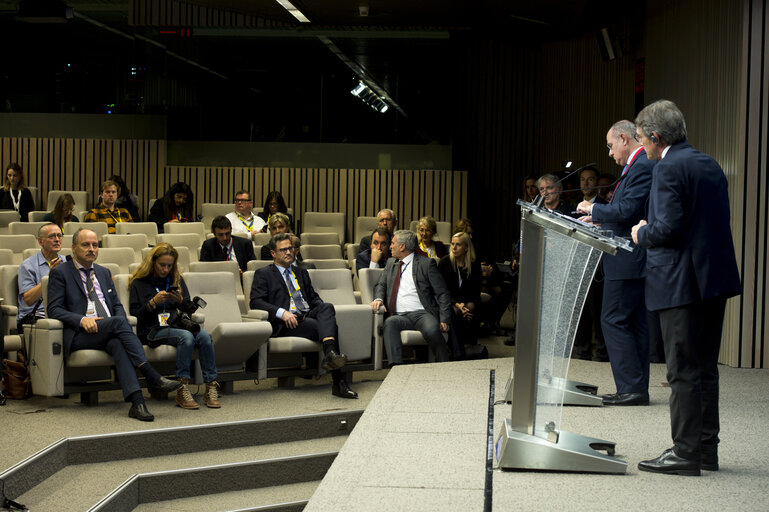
pixel 363 260
pixel 269 292
pixel 470 291
pixel 365 244
pixel 431 288
pixel 625 210
pixel 26 203
pixel 690 254
pixel 242 247
pixel 67 300
pixel 142 290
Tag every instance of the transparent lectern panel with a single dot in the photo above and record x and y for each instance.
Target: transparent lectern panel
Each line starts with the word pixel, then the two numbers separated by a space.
pixel 567 271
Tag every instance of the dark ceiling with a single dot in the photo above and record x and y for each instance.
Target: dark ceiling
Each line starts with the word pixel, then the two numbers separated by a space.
pixel 281 81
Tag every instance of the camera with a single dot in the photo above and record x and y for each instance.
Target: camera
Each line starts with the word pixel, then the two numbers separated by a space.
pixel 180 318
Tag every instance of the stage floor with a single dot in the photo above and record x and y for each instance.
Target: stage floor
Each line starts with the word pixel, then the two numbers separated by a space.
pixel 421 445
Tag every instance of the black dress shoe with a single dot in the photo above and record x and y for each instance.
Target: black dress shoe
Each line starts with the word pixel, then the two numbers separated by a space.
pixel 626 399
pixel 671 463
pixel 165 386
pixel 140 412
pixel 341 389
pixel 333 361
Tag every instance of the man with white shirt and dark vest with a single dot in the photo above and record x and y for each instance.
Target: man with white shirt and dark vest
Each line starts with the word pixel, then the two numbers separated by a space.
pixel 243 219
pixel 225 247
pixel 624 310
pixel 415 297
pixel 82 295
pixel 294 308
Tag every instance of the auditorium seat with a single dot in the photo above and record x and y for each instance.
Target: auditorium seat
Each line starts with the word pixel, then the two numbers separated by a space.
pixel 121 256
pixel 173 228
pixel 324 222
pixel 9 290
pixel 81 198
pixel 149 229
pixel 17 243
pixel 322 252
pixel 319 238
pixel 184 257
pixel 224 266
pixel 37 215
pixel 136 241
pixel 6 217
pixel 25 228
pixel 191 241
pixel 443 230
pixel 6 257
pixel 100 228
pixel 257 264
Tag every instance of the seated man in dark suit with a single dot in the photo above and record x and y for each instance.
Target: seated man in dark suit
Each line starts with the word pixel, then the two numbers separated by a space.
pixel 379 252
pixel 225 247
pixel 416 297
pixel 83 297
pixel 295 308
pixel 387 219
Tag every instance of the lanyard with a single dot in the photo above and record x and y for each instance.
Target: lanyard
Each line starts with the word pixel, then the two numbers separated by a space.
pixel 119 218
pixel 430 252
pixel 249 225
pixel 295 281
pixel 168 282
pixel 229 251
pixel 16 200
pixel 459 275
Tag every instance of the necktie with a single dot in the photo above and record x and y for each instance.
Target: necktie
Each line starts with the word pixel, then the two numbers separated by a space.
pixel 226 253
pixel 394 291
pixel 100 311
pixel 301 305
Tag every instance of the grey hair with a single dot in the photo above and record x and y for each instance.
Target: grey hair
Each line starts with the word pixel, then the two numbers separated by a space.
pixel 552 178
pixel 391 212
pixel 663 117
pixel 407 238
pixel 42 228
pixel 624 126
pixel 76 234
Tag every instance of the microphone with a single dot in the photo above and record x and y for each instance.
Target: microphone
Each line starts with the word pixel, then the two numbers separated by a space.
pixel 541 198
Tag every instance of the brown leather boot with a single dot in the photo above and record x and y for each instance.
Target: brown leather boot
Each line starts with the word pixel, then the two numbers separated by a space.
pixel 212 395
pixel 184 397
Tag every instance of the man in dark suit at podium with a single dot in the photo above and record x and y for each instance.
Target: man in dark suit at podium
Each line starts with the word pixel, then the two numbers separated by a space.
pixel 691 270
pixel 623 313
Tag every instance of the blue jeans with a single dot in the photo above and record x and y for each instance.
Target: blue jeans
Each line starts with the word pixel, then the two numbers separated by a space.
pixel 185 343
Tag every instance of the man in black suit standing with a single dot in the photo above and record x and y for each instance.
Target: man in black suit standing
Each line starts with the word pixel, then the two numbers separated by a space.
pixel 294 308
pixel 691 270
pixel 377 255
pixel 225 247
pixel 415 296
pixel 82 295
pixel 624 310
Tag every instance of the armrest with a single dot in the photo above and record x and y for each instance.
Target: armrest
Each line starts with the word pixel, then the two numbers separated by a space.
pixel 198 318
pixel 132 320
pixel 10 311
pixel 49 324
pixel 258 314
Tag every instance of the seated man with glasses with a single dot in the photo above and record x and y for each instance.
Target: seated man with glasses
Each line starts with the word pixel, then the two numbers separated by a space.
pixel 33 270
pixel 294 308
pixel 243 219
pixel 225 247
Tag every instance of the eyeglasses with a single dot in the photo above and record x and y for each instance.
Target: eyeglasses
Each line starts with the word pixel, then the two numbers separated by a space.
pixel 54 236
pixel 637 137
pixel 608 146
pixel 242 200
pixel 286 249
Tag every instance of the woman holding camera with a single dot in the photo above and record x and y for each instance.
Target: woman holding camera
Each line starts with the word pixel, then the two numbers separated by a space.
pixel 157 292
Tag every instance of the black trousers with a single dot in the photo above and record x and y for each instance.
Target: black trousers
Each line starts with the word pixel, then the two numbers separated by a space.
pixel 692 338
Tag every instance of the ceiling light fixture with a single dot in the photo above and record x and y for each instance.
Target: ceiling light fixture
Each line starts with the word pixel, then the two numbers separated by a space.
pixel 293 10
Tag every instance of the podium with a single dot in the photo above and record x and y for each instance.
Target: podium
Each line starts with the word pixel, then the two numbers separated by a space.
pixel 559 256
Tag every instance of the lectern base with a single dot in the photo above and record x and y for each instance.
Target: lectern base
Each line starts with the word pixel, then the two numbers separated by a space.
pixel 571 452
pixel 574 393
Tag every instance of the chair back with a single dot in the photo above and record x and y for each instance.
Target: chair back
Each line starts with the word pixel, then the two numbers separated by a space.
pixel 17 243
pixel 334 263
pixel 172 228
pixel 100 228
pixel 122 256
pixel 368 278
pixel 257 264
pixel 442 230
pixel 216 289
pixel 6 217
pixel 334 285
pixel 9 285
pixel 210 210
pixel 319 238
pixel 136 241
pixel 191 241
pixel 80 197
pixel 6 257
pixel 65 251
pixel 36 215
pixel 324 222
pixel 220 266
pixel 25 228
pixel 322 252
pixel 364 226
pixel 149 229
pixel 123 291
pixel 262 238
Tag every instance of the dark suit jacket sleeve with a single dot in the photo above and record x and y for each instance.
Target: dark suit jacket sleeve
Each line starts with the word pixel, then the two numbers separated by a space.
pixel 634 194
pixel 264 253
pixel 365 243
pixel 261 291
pixel 361 261
pixel 58 299
pixel 381 288
pixel 440 290
pixel 156 214
pixel 207 250
pixel 668 193
pixel 244 249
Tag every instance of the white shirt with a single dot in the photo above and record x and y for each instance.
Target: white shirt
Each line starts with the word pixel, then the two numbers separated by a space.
pixel 664 152
pixel 239 227
pixel 408 298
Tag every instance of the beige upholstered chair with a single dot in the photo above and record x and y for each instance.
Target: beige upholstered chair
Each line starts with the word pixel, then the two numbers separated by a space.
pixel 37 215
pixel 224 266
pixel 322 252
pixel 324 222
pixel 136 241
pixel 364 226
pixel 17 243
pixel 256 265
pixel 25 228
pixel 100 228
pixel 173 228
pixel 319 238
pixel 150 229
pixel 191 241
pixel 121 256
pixel 6 217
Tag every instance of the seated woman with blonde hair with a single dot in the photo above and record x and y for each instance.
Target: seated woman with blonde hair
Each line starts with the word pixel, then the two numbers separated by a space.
pixel 426 228
pixel 462 273
pixel 157 291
